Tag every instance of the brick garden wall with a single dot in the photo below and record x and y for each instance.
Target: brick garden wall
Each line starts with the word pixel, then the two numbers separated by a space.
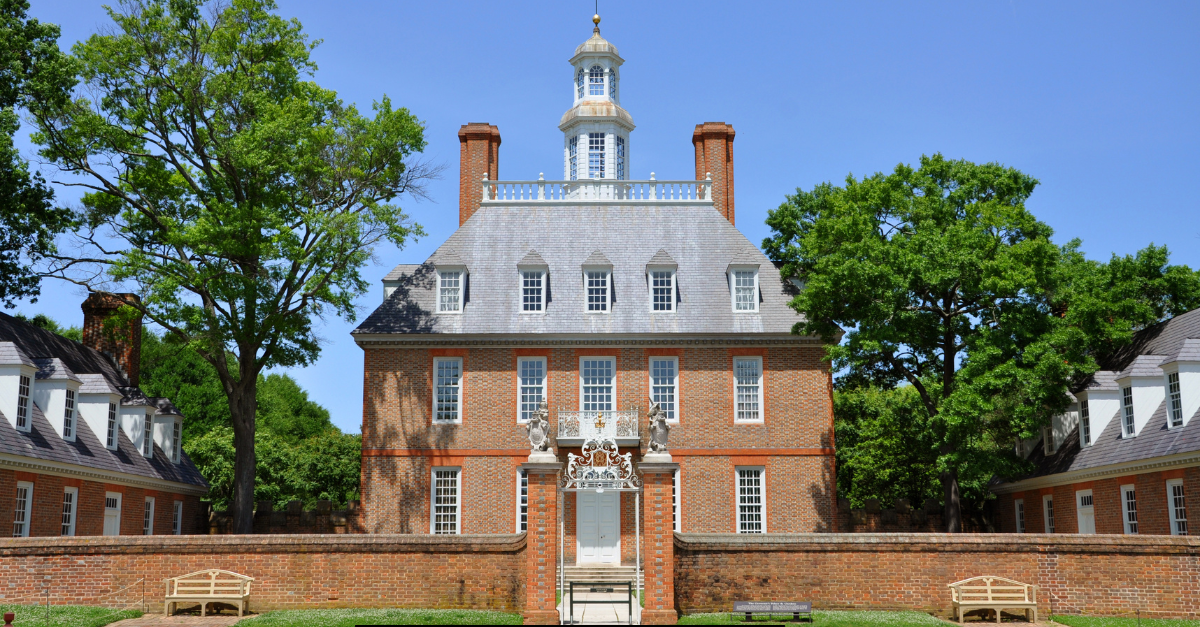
pixel 1076 574
pixel 291 572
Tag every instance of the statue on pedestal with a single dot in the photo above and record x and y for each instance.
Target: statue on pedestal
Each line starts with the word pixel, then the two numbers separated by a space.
pixel 660 431
pixel 538 431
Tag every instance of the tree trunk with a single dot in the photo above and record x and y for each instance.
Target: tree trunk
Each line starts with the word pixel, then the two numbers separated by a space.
pixel 243 405
pixel 953 513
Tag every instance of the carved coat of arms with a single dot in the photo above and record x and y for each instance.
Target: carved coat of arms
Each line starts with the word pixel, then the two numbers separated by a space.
pixel 538 428
pixel 660 431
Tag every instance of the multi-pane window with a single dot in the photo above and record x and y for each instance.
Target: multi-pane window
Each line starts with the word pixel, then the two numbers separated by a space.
pixel 450 290
pixel 573 156
pixel 1178 507
pixel 176 440
pixel 1048 439
pixel 148 517
pixel 522 501
pixel 23 403
pixel 24 509
pixel 1048 512
pixel 664 373
pixel 445 500
pixel 596 374
pixel 148 437
pixel 596 81
pixel 750 500
pixel 1129 508
pixel 111 440
pixel 662 290
pixel 676 510
pixel 620 158
pixel 69 416
pixel 1085 423
pixel 70 498
pixel 532 290
pixel 177 518
pixel 1019 507
pixel 595 155
pixel 748 393
pixel 597 290
pixel 612 83
pixel 532 372
pixel 745 290
pixel 447 406
pixel 1176 405
pixel 579 83
pixel 1127 407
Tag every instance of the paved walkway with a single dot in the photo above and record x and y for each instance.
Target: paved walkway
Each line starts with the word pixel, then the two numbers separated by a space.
pixel 158 620
pixel 615 612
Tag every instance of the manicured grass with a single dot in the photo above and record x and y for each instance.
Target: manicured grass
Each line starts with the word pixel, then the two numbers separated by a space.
pixel 1125 621
pixel 66 615
pixel 352 617
pixel 824 619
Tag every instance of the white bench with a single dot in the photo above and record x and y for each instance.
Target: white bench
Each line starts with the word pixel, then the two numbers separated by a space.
pixel 993 593
pixel 208 586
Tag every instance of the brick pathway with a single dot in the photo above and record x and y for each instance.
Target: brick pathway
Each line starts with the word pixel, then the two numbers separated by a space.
pixel 158 620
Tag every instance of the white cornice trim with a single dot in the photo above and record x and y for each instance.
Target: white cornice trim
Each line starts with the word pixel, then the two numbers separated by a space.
pixel 376 340
pixel 1154 464
pixel 43 467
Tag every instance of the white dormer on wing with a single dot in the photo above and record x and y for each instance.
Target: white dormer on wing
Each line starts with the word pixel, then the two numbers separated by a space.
pixel 100 407
pixel 17 381
pixel 596 129
pixel 1181 374
pixel 1055 434
pixel 1099 403
pixel 451 281
pixel 57 394
pixel 1142 393
pixel 168 429
pixel 137 418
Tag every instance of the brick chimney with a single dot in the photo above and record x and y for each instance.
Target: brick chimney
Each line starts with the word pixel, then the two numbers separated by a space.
pixel 124 345
pixel 714 154
pixel 479 153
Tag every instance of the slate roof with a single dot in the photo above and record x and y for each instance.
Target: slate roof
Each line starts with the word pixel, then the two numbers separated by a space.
pixel 491 243
pixel 54 369
pixel 11 355
pixel 57 356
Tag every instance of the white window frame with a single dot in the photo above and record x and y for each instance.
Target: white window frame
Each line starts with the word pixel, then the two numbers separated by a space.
pixel 677 501
pixel 737 491
pixel 540 304
pixel 573 156
pixel 120 498
pixel 673 411
pixel 70 510
pixel 522 501
pixel 25 403
pixel 70 415
pixel 1128 424
pixel 177 518
pixel 176 440
pixel 433 500
pixel 612 394
pixel 1175 505
pixel 148 436
pixel 1019 511
pixel 733 289
pixel 111 440
pixel 606 305
pixel 597 155
pixel 1129 518
pixel 761 408
pixel 458 387
pixel 671 291
pixel 23 512
pixel 522 386
pixel 1085 424
pixel 1174 401
pixel 148 517
pixel 457 303
pixel 596 87
pixel 1048 512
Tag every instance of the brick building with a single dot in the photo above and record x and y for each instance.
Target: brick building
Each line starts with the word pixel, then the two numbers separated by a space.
pixel 82 450
pixel 595 294
pixel 1126 456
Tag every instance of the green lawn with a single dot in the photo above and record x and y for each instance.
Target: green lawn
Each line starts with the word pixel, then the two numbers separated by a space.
pixel 66 615
pixel 1098 621
pixel 826 619
pixel 352 617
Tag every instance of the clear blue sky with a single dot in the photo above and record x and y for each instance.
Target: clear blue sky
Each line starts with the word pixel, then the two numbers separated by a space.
pixel 1098 100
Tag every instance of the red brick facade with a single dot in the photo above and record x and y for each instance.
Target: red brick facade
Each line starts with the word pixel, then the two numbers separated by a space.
pixel 479 153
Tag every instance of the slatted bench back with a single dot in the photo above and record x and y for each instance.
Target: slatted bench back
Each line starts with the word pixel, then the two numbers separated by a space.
pixel 210 583
pixel 990 590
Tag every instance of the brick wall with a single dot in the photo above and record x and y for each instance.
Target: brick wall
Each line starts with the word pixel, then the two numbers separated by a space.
pixel 290 572
pixel 123 344
pixel 1075 574
pixel 479 153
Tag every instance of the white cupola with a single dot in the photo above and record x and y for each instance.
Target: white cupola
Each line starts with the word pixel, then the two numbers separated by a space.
pixel 596 129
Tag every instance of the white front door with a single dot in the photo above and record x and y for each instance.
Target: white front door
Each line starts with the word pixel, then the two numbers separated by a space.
pixel 112 514
pixel 598 528
pixel 1087 511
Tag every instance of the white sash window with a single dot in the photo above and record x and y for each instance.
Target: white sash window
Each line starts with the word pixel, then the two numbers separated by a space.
pixel 597 290
pixel 522 501
pixel 532 372
pixel 1048 512
pixel 748 389
pixel 664 384
pixel 1085 423
pixel 446 501
pixel 69 416
pixel 1127 425
pixel 447 401
pixel 598 381
pixel 751 517
pixel 1177 507
pixel 23 420
pixel 176 440
pixel 1129 508
pixel 148 517
pixel 533 292
pixel 1176 408
pixel 177 519
pixel 662 290
pixel 1019 509
pixel 24 510
pixel 450 284
pixel 111 440
pixel 70 502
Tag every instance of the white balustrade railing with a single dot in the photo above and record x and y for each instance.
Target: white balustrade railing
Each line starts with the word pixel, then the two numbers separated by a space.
pixel 597 191
pixel 598 425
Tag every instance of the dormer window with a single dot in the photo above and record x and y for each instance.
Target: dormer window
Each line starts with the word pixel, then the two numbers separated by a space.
pixel 450 284
pixel 1176 404
pixel 597 290
pixel 176 440
pixel 111 441
pixel 596 81
pixel 1085 423
pixel 662 289
pixel 533 291
pixel 69 417
pixel 1048 440
pixel 744 284
pixel 148 438
pixel 23 412
pixel 1127 424
pixel 579 83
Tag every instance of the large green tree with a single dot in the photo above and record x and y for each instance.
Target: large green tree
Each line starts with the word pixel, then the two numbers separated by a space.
pixel 235 196
pixel 32 69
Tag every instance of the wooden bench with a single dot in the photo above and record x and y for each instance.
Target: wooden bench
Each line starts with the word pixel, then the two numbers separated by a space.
pixel 750 608
pixel 993 593
pixel 208 586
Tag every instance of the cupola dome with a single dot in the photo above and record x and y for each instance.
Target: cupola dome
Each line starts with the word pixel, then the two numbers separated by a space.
pixel 596 129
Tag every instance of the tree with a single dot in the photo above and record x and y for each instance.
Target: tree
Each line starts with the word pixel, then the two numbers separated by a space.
pixel 32 68
pixel 239 199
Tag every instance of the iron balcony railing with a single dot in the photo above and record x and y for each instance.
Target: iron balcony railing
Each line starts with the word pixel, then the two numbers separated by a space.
pixel 598 425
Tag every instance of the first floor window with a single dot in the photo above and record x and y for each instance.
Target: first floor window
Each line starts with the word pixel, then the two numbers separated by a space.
pixel 1129 508
pixel 597 290
pixel 111 441
pixel 676 502
pixel 69 416
pixel 24 512
pixel 1178 507
pixel 532 290
pixel 664 372
pixel 23 403
pixel 1176 406
pixel 445 500
pixel 532 371
pixel 1048 512
pixel 148 517
pixel 450 291
pixel 748 393
pixel 70 498
pixel 750 500
pixel 1127 407
pixel 177 519
pixel 596 376
pixel 1019 507
pixel 447 387
pixel 1085 423
pixel 522 501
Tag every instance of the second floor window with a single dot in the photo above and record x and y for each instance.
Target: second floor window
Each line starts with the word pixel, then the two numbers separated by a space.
pixel 597 290
pixel 595 155
pixel 662 290
pixel 450 291
pixel 748 393
pixel 663 384
pixel 533 385
pixel 112 426
pixel 596 81
pixel 1176 405
pixel 1085 423
pixel 23 403
pixel 532 290
pixel 69 416
pixel 1127 424
pixel 597 380
pixel 447 385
